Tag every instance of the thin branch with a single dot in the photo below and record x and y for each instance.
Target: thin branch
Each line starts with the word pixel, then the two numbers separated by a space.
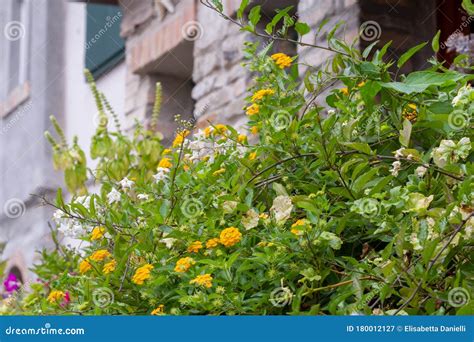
pixel 433 261
pixel 271 36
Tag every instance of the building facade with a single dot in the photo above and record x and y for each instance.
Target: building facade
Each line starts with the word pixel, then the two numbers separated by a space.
pixel 130 45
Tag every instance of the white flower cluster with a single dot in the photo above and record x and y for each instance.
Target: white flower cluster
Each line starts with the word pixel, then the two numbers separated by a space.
pixel 396 165
pixel 161 174
pixel 450 152
pixel 464 97
pixel 201 146
pixel 71 227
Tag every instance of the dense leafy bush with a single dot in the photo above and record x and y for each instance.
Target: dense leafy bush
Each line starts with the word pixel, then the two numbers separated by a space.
pixel 361 205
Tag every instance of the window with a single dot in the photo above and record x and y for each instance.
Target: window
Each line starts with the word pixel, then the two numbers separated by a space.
pixel 15 89
pixel 104 46
pixel 18 49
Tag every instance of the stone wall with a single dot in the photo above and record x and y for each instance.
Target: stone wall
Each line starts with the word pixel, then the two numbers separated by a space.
pixel 220 79
pixel 314 12
pixel 159 48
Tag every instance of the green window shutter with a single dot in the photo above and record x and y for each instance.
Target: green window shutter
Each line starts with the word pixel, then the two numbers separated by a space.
pixel 104 46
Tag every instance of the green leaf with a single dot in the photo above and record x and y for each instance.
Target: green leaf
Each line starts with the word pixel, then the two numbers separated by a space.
pixel 59 198
pixel 361 182
pixel 405 133
pixel 361 147
pixel 279 189
pixel 369 92
pixel 435 42
pixel 468 6
pixel 307 82
pixel 419 81
pixel 302 28
pixel 407 55
pixel 276 19
pixel 243 6
pixel 218 5
pixel 369 48
pixel 254 16
pixel 379 54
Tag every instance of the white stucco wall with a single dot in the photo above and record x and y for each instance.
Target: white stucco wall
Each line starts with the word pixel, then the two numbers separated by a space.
pixel 80 117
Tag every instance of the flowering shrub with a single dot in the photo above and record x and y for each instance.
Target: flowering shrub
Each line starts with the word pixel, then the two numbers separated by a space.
pixel 359 203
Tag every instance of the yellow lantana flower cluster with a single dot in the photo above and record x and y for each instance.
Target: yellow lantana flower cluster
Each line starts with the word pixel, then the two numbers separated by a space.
pixel 203 280
pixel 180 138
pixel 109 267
pixel 160 310
pixel 85 266
pixel 260 94
pixel 218 172
pixel 100 255
pixel 242 138
pixel 252 109
pixel 165 163
pixel 184 264
pixel 142 274
pixel 212 243
pixel 282 60
pixel 55 296
pixel 194 247
pixel 230 236
pixel 218 129
pixel 295 227
pixel 410 112
pixel 98 233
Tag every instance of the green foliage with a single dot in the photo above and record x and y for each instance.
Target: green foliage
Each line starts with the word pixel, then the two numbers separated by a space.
pixel 361 202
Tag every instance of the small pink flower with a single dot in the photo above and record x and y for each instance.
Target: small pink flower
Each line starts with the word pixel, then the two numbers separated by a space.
pixel 11 284
pixel 67 299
